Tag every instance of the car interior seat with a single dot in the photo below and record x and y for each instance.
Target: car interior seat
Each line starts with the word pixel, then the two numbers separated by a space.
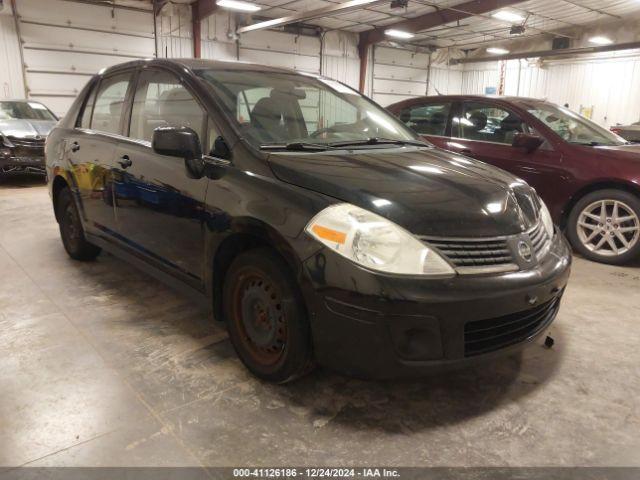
pixel 266 119
pixel 279 117
pixel 509 126
pixel 478 123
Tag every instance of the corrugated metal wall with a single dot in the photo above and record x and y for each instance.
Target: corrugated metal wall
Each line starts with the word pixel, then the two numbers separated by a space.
pixel 67 42
pixel 174 32
pixel 445 80
pixel 340 59
pixel 217 38
pixel 609 85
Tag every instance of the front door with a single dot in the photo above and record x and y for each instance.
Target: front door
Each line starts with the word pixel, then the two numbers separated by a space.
pixel 159 209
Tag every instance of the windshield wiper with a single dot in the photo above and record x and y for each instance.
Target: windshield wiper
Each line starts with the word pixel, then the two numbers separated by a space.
pixel 377 141
pixel 296 147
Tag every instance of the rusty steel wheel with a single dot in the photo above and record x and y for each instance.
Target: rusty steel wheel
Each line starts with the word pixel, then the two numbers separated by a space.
pixel 266 317
pixel 259 317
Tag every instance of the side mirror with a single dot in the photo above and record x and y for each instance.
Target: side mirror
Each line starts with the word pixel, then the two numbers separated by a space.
pixel 527 142
pixel 181 142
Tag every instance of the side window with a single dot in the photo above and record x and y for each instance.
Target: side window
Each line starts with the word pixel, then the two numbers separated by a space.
pixel 488 123
pixel 427 119
pixel 161 100
pixel 85 119
pixel 110 103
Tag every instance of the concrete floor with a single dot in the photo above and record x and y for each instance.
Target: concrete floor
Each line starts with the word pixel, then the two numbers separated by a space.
pixel 101 365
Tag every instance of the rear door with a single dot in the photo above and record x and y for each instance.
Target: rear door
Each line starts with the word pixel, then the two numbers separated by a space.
pixel 485 131
pixel 431 120
pixel 160 210
pixel 90 149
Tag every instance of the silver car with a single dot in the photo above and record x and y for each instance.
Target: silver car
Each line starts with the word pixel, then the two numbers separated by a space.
pixel 631 133
pixel 24 126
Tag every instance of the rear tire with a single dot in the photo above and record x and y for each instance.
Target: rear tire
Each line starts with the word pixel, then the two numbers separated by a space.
pixel 266 317
pixel 71 230
pixel 604 226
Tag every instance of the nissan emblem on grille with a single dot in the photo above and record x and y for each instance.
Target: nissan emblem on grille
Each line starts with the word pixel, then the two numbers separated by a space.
pixel 524 250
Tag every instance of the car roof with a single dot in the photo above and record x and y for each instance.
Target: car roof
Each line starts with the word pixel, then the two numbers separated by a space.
pixel 197 64
pixel 504 98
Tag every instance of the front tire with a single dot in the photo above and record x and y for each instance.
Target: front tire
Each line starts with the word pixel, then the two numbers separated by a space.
pixel 71 230
pixel 604 226
pixel 266 317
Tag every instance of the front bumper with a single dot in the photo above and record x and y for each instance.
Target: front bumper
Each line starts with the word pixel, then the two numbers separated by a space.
pixel 379 326
pixel 12 164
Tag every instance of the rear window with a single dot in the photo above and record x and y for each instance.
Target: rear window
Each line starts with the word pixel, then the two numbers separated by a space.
pixel 84 120
pixel 109 104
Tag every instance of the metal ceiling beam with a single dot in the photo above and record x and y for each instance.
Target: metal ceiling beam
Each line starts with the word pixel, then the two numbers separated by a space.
pixel 203 8
pixel 200 9
pixel 550 53
pixel 312 14
pixel 437 18
pixel 424 22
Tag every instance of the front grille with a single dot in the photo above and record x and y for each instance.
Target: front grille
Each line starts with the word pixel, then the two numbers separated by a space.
pixel 27 147
pixel 488 255
pixel 484 336
pixel 472 255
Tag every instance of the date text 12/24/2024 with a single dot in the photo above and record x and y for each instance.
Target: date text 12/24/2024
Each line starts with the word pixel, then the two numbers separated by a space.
pixel 312 473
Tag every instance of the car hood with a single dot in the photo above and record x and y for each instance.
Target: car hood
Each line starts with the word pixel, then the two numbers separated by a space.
pixel 427 191
pixel 620 152
pixel 26 128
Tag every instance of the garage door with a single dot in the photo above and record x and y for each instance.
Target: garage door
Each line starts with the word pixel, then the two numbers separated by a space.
pixel 398 74
pixel 67 42
pixel 296 52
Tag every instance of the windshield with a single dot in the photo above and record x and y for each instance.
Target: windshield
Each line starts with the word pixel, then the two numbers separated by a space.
pixel 572 127
pixel 293 109
pixel 24 111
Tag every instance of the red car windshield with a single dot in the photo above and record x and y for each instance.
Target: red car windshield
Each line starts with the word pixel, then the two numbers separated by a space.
pixel 572 127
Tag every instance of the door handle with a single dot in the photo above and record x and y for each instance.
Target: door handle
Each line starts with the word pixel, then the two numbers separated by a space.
pixel 125 161
pixel 75 146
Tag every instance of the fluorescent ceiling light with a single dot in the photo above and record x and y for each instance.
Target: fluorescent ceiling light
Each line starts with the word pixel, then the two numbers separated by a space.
pixel 601 40
pixel 238 5
pixel 508 16
pixel 398 33
pixel 497 51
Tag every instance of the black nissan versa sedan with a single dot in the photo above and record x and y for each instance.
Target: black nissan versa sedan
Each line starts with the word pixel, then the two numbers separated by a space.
pixel 319 227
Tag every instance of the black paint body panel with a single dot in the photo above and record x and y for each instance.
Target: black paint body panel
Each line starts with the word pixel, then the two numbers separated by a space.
pixel 178 226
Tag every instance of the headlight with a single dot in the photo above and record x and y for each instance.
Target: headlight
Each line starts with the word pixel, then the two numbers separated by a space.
pixel 547 221
pixel 4 142
pixel 374 242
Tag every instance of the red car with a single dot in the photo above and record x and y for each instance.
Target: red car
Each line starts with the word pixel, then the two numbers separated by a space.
pixel 588 176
